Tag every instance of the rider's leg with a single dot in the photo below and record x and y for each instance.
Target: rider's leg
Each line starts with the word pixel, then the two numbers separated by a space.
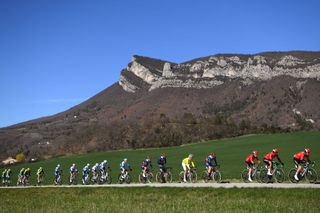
pixel 270 168
pixel 185 172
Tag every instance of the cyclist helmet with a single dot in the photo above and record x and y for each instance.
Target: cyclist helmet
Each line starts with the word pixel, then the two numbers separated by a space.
pixel 73 164
pixel 97 164
pixel 275 150
pixel 88 165
pixel 125 159
pixel 307 150
pixel 58 165
pixel 105 161
pixel 255 153
pixel 213 154
pixel 40 167
pixel 190 155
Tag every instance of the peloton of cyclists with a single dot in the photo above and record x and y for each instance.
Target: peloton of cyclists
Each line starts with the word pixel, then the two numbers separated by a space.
pixel 300 160
pixel 250 161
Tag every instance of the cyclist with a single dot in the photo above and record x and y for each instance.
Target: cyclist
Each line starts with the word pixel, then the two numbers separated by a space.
pixel 124 166
pixel 20 176
pixel 40 174
pixel 300 159
pixel 103 167
pixel 57 173
pixel 8 177
pixel 3 176
pixel 162 163
pixel 145 166
pixel 210 163
pixel 85 173
pixel 73 172
pixel 26 175
pixel 268 160
pixel 95 172
pixel 250 163
pixel 187 164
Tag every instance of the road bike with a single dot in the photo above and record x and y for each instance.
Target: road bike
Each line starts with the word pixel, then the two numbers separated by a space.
pixel 73 179
pixel 191 176
pixel 277 173
pixel 214 176
pixel 57 180
pixel 147 178
pixel 124 178
pixel 308 173
pixel 105 178
pixel 164 177
pixel 255 175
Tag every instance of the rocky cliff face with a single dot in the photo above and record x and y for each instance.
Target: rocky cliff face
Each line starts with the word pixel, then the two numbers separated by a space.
pixel 160 103
pixel 216 70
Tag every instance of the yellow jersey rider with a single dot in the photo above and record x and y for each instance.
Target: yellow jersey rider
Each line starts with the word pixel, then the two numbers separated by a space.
pixel 187 163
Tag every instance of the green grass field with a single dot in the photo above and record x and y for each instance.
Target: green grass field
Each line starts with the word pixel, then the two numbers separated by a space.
pixel 139 200
pixel 230 155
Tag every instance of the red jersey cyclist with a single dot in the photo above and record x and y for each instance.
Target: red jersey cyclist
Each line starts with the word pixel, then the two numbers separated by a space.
pixel 268 159
pixel 299 160
pixel 250 163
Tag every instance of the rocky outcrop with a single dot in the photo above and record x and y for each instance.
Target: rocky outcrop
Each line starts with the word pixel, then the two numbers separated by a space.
pixel 205 72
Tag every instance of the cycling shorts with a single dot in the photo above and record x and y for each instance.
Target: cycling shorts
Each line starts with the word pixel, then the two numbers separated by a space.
pixel 184 166
pixel 249 164
pixel 299 162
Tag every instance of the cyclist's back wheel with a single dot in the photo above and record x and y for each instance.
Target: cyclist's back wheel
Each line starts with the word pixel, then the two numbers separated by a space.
pixel 244 176
pixel 168 177
pixel 279 175
pixel 205 176
pixel 291 174
pixel 142 179
pixel 193 177
pixel 120 179
pixel 128 179
pixel 159 177
pixel 264 177
pixel 311 175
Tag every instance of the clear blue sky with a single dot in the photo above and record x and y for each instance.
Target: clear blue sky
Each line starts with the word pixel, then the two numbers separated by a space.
pixel 55 54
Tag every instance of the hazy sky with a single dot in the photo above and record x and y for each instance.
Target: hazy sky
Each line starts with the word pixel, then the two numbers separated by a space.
pixel 55 54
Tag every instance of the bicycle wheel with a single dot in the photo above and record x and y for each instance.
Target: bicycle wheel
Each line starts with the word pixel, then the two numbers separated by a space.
pixel 264 176
pixel 193 177
pixel 142 179
pixel 128 179
pixel 109 179
pixel 244 176
pixel 257 176
pixel 217 176
pixel 168 177
pixel 291 174
pixel 311 175
pixel 181 176
pixel 150 177
pixel 120 179
pixel 205 176
pixel 279 175
pixel 159 177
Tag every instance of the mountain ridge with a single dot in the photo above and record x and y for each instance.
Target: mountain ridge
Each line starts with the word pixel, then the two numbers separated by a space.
pixel 161 103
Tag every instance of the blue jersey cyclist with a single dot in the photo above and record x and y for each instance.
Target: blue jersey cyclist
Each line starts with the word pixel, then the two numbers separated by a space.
pixel 103 167
pixel 145 166
pixel 162 163
pixel 211 163
pixel 85 173
pixel 124 167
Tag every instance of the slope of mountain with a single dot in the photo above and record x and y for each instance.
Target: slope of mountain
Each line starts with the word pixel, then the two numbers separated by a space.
pixel 161 103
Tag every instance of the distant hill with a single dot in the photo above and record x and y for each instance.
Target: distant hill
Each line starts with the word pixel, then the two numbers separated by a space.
pixel 159 103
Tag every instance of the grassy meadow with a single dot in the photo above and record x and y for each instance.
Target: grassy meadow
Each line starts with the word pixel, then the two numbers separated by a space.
pixel 139 200
pixel 230 155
